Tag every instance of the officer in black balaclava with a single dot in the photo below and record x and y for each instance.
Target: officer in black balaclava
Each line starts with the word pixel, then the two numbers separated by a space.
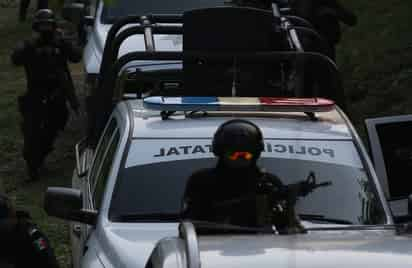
pixel 236 191
pixel 49 85
pixel 22 244
pixel 327 17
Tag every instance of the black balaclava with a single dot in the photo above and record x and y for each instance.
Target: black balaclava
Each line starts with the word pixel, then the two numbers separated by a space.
pixel 46 32
pixel 238 144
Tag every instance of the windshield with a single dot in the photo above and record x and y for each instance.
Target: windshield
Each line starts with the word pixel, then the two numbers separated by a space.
pixel 156 172
pixel 120 8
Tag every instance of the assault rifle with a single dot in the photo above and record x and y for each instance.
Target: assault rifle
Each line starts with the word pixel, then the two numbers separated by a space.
pixel 302 188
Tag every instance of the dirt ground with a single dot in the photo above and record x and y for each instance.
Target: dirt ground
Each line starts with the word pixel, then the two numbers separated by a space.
pixel 60 163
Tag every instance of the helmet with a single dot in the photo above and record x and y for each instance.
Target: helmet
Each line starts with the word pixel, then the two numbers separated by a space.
pixel 44 21
pixel 240 138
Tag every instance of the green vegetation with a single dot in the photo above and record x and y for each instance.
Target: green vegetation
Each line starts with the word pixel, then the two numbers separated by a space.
pixel 29 196
pixel 375 58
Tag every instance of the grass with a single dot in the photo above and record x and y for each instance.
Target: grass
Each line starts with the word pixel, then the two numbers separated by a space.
pixel 375 58
pixel 29 196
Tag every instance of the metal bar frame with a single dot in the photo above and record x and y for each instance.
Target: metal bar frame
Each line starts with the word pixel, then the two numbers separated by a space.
pixel 299 21
pixel 254 57
pixel 187 233
pixel 149 25
pixel 81 162
pixel 146 22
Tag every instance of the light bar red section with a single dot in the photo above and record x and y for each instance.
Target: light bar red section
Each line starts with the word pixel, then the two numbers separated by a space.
pixel 301 102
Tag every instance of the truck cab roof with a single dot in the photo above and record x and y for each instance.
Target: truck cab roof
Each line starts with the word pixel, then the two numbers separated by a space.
pixel 328 125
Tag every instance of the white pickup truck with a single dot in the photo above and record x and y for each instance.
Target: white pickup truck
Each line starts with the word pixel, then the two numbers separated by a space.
pixel 128 195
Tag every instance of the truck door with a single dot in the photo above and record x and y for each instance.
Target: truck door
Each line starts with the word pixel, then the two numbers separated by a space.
pixel 390 140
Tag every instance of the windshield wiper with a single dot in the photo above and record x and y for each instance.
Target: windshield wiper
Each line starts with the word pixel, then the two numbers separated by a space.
pixel 322 218
pixel 215 227
pixel 157 217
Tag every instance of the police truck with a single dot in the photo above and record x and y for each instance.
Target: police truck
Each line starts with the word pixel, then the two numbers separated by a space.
pixel 125 203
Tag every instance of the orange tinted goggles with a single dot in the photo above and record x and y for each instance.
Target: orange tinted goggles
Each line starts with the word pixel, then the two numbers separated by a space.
pixel 240 155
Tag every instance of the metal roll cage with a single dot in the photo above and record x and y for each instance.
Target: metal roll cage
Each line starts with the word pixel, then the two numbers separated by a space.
pixel 187 233
pixel 111 66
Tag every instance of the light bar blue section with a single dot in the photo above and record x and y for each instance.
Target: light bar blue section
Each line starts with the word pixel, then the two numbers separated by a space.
pixel 199 100
pixel 181 103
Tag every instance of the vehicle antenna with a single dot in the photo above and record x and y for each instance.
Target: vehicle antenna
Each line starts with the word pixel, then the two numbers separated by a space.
pixel 234 77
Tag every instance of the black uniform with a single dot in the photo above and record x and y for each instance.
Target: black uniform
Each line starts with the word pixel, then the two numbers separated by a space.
pixel 244 198
pixel 49 86
pixel 326 16
pixel 26 246
pixel 21 243
pixel 24 5
pixel 226 195
pixel 237 191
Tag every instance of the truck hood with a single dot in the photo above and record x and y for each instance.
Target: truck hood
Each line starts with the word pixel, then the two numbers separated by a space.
pixel 93 52
pixel 354 249
pixel 127 245
pixel 132 247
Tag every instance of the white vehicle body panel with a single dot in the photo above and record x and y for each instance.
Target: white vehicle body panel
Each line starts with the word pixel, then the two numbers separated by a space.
pixel 316 249
pixel 368 248
pixel 130 245
pixel 93 51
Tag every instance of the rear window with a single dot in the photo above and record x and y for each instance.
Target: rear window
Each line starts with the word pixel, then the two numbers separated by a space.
pixel 156 172
pixel 121 8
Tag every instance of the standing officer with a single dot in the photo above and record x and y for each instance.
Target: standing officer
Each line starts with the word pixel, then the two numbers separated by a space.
pixel 237 191
pixel 326 17
pixel 24 5
pixel 49 85
pixel 22 244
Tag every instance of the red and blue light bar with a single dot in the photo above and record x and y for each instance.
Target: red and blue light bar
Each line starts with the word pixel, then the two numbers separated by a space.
pixel 268 104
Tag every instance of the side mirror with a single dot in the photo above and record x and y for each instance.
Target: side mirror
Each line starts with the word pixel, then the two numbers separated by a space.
pixel 73 12
pixel 67 203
